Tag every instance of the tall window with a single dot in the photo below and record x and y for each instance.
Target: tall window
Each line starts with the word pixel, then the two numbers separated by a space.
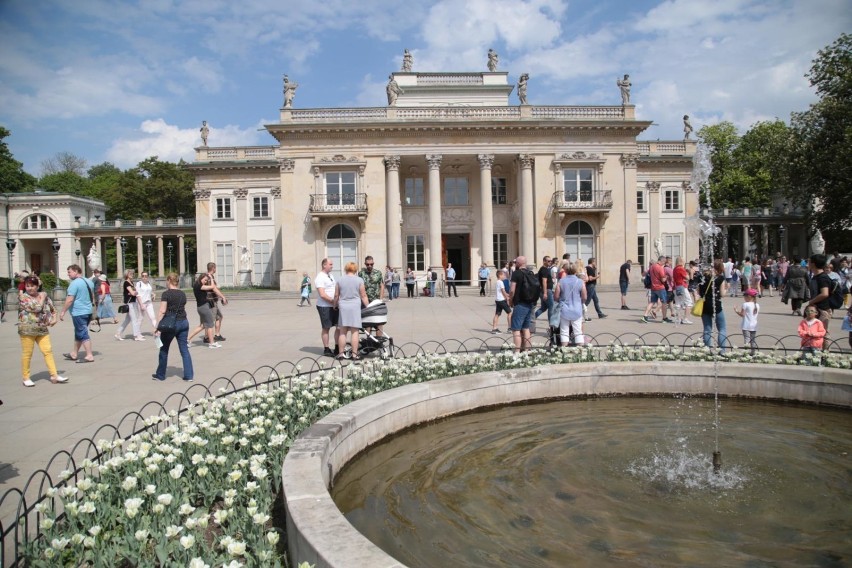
pixel 36 222
pixel 672 200
pixel 415 252
pixel 225 264
pixel 342 247
pixel 641 257
pixel 340 188
pixel 260 206
pixel 577 184
pixel 671 245
pixel 580 240
pixel 501 249
pixel 455 191
pixel 414 192
pixel 498 191
pixel 262 257
pixel 223 208
pixel 640 200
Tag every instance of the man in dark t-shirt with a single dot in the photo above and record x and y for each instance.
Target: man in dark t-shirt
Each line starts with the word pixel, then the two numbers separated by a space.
pixel 820 285
pixel 591 285
pixel 545 277
pixel 624 282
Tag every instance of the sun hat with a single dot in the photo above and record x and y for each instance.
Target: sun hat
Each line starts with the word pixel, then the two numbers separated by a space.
pixel 102 277
pixel 751 292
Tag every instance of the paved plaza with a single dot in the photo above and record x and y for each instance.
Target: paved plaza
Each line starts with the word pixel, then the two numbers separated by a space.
pixel 38 422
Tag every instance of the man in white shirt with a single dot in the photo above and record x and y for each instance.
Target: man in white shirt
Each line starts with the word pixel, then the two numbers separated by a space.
pixel 326 286
pixel 728 267
pixel 145 298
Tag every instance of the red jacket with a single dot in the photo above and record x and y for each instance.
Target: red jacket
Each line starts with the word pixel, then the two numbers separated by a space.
pixel 812 335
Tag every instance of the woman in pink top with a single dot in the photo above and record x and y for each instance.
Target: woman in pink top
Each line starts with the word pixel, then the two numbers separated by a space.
pixel 811 331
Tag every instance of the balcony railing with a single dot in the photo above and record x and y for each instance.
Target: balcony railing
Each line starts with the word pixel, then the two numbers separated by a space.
pixel 585 200
pixel 339 203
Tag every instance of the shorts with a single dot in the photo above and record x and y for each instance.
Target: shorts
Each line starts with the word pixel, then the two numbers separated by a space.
pixel 502 306
pixel 81 327
pixel 217 312
pixel 659 295
pixel 623 285
pixel 206 314
pixel 682 298
pixel 328 316
pixel 522 317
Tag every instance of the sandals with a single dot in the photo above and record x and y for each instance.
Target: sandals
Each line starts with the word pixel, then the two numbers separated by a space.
pixel 69 357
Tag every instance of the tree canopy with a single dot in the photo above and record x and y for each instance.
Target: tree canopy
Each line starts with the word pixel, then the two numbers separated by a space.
pixel 13 178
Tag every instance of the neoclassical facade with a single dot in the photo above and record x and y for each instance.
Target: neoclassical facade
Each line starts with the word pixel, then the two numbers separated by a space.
pixel 450 171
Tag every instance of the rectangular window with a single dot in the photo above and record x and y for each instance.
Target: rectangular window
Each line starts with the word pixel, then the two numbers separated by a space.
pixel 262 273
pixel 671 245
pixel 577 184
pixel 340 188
pixel 414 192
pixel 640 200
pixel 455 191
pixel 223 208
pixel 501 249
pixel 672 200
pixel 225 264
pixel 641 257
pixel 498 191
pixel 416 252
pixel 260 207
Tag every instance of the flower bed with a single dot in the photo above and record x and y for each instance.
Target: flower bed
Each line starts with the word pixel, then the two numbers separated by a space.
pixel 198 488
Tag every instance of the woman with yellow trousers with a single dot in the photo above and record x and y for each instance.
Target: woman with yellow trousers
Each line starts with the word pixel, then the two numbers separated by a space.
pixel 36 314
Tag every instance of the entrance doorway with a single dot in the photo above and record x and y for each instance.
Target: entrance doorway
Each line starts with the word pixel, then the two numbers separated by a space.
pixel 456 249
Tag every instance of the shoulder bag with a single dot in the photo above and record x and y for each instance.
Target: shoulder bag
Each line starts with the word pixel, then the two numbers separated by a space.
pixel 698 308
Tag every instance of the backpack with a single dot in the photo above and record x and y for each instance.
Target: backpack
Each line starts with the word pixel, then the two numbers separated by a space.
pixel 530 287
pixel 434 275
pixel 647 279
pixel 835 294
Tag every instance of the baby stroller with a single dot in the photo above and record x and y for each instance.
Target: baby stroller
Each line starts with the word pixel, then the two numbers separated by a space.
pixel 374 315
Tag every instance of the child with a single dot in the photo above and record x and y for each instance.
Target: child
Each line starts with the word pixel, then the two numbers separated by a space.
pixel 811 331
pixel 305 290
pixel 748 312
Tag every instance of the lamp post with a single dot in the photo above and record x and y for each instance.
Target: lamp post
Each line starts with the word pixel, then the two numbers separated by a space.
pixel 171 247
pixel 77 252
pixel 123 244
pixel 148 246
pixel 10 246
pixel 781 230
pixel 186 257
pixel 56 246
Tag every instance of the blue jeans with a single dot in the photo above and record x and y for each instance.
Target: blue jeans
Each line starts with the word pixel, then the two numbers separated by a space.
pixel 395 290
pixel 546 305
pixel 181 332
pixel 592 296
pixel 707 320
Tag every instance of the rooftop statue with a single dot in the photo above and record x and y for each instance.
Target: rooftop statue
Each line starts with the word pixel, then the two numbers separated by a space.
pixel 289 92
pixel 393 90
pixel 522 88
pixel 687 127
pixel 493 60
pixel 204 132
pixel 407 61
pixel 624 85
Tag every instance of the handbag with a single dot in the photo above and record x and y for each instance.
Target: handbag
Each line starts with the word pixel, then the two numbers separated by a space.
pixel 698 308
pixel 123 309
pixel 168 323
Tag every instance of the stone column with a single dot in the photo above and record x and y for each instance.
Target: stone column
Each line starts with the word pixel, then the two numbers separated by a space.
pixel 434 161
pixel 393 211
pixel 485 210
pixel 654 207
pixel 527 231
pixel 764 246
pixel 204 252
pixel 181 257
pixel 119 258
pixel 140 256
pixel 99 246
pixel 746 243
pixel 161 269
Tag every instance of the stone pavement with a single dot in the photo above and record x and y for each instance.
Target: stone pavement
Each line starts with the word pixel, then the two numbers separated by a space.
pixel 38 422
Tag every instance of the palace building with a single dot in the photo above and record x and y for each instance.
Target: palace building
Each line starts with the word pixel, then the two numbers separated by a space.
pixel 449 171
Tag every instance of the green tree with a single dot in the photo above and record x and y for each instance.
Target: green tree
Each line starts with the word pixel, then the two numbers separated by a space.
pixel 13 178
pixel 821 156
pixel 64 182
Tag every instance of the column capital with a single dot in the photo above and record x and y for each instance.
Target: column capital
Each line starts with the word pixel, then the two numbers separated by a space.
pixel 434 161
pixel 276 191
pixel 286 165
pixel 391 163
pixel 686 186
pixel 629 160
pixel 653 186
pixel 241 193
pixel 485 161
pixel 526 160
pixel 200 193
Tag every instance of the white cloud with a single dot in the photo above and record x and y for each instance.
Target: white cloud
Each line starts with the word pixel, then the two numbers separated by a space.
pixel 205 73
pixel 171 142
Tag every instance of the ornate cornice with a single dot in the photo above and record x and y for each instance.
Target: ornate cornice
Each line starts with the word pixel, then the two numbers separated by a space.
pixel 434 161
pixel 391 163
pixel 486 161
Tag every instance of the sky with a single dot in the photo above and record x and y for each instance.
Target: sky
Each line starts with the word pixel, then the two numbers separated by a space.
pixel 121 81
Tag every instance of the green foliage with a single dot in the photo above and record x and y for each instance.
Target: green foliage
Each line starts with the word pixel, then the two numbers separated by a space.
pixel 64 182
pixel 13 178
pixel 821 157
pixel 48 281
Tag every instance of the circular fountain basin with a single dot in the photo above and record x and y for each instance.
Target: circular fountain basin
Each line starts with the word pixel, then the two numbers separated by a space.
pixel 319 533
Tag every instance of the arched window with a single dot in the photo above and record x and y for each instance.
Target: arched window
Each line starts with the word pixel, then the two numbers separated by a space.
pixel 37 222
pixel 580 240
pixel 342 247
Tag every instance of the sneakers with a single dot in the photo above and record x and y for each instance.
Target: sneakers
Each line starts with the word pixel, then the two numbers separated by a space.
pixel 495 331
pixel 118 337
pixel 218 338
pixel 188 379
pixel 685 321
pixel 668 320
pixel 214 346
pixel 601 316
pixel 140 338
pixel 59 380
pixel 328 352
pixel 28 383
pixel 624 308
pixel 644 319
pixel 587 319
pixel 156 378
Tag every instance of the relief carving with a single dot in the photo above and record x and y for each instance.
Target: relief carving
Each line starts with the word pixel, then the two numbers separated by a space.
pixel 455 216
pixel 286 164
pixel 391 163
pixel 653 186
pixel 241 193
pixel 201 194
pixel 629 160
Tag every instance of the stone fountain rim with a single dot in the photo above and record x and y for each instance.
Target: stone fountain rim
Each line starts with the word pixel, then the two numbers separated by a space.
pixel 319 533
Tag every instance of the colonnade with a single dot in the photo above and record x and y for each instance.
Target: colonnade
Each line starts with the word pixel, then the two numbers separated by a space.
pixel 143 254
